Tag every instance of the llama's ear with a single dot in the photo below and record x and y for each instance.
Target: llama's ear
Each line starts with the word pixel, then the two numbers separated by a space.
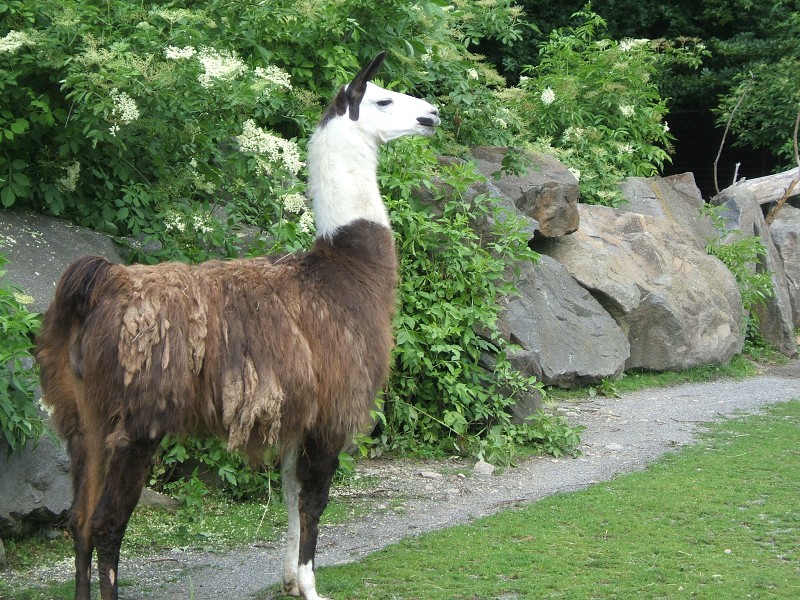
pixel 357 87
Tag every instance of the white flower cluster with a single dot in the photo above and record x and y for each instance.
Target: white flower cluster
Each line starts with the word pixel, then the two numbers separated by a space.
pixel 175 53
pixel 69 182
pixel 627 110
pixel 548 96
pixel 573 134
pixel 218 64
pixel 626 148
pixel 294 203
pixel 124 111
pixel 226 65
pixel 606 195
pixel 202 223
pixel 176 221
pixel 274 75
pixel 306 222
pixel 473 74
pixel 200 181
pixel 173 221
pixel 173 15
pixel 276 150
pixel 14 40
pixel 629 43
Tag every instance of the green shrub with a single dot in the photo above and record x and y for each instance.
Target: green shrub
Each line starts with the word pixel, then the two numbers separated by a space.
pixel 743 257
pixel 19 418
pixel 441 394
pixel 594 103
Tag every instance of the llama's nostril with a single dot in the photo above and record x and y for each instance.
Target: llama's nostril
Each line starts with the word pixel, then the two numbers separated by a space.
pixel 431 121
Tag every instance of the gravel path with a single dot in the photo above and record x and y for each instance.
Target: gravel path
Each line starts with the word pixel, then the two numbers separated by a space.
pixel 622 435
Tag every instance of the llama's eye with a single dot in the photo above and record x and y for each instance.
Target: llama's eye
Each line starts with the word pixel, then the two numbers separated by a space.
pixel 386 102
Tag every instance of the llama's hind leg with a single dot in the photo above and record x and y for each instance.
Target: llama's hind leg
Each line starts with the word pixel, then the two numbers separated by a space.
pixel 123 487
pixel 87 476
pixel 316 466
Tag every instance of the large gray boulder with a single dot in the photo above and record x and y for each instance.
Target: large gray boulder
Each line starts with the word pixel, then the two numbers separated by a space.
pixel 35 487
pixel 676 199
pixel 743 218
pixel 39 248
pixel 678 306
pixel 785 233
pixel 547 193
pixel 565 337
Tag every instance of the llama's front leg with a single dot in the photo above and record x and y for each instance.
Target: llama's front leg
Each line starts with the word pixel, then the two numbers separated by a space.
pixel 315 468
pixel 291 495
pixel 123 487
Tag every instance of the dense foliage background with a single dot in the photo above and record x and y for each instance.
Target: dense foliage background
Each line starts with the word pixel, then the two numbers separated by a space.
pixel 181 129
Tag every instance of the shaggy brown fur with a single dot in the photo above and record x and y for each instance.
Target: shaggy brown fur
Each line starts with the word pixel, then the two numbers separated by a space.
pixel 255 350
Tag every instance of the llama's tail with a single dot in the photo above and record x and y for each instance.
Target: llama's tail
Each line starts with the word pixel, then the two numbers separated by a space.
pixel 58 338
pixel 74 297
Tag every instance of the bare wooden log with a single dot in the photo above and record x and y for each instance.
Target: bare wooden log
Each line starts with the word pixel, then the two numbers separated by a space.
pixel 772 188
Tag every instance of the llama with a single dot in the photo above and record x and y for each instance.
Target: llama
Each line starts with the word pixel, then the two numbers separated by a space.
pixel 289 353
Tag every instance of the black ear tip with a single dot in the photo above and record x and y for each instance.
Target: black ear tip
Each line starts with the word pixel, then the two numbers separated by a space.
pixel 357 87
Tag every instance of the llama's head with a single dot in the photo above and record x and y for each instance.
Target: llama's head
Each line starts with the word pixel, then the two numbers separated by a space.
pixel 380 114
pixel 343 152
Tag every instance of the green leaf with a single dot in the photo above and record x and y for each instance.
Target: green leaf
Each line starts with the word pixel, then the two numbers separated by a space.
pixel 7 196
pixel 19 126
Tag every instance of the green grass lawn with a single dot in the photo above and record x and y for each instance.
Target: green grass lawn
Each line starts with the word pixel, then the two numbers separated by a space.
pixel 720 519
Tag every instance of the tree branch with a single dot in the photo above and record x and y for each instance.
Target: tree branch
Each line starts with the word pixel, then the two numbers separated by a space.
pixel 789 190
pixel 725 133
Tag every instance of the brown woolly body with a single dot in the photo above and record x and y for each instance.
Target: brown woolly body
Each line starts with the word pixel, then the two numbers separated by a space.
pixel 261 351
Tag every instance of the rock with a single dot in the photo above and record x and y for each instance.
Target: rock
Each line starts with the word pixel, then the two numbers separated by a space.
pixel 526 403
pixel 483 468
pixel 566 337
pixel 39 248
pixel 678 306
pixel 154 499
pixel 35 488
pixel 430 475
pixel 482 227
pixel 743 218
pixel 676 199
pixel 548 192
pixel 3 561
pixel 785 233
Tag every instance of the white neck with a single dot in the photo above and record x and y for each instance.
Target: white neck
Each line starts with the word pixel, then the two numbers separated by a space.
pixel 342 177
